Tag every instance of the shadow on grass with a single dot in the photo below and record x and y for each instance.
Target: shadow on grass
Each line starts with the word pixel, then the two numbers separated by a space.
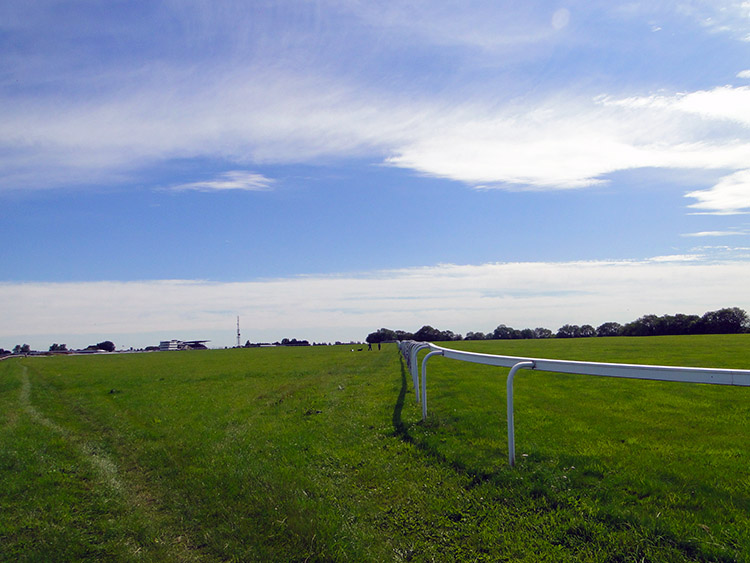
pixel 401 430
pixel 543 474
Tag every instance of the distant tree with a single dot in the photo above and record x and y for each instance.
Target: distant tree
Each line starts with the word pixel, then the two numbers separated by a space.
pixel 58 348
pixel 647 325
pixel 293 342
pixel 680 324
pixel 107 346
pixel 567 331
pixel 4 352
pixel 541 332
pixel 503 332
pixel 428 334
pixel 608 329
pixel 21 349
pixel 381 335
pixel 475 336
pixel 731 320
pixel 401 335
pixel 448 335
pixel 527 333
pixel 585 331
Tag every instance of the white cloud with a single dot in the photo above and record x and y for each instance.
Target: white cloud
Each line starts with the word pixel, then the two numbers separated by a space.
pixel 730 103
pixel 743 74
pixel 570 143
pixel 722 103
pixel 325 308
pixel 251 110
pixel 242 115
pixel 715 234
pixel 731 195
pixel 676 258
pixel 731 17
pixel 256 116
pixel 233 180
pixel 263 116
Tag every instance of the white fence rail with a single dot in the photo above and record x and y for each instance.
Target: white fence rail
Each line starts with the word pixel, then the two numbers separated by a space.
pixel 410 350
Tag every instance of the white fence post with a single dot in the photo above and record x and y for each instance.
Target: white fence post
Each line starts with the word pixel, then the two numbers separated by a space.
pixel 511 425
pixel 415 366
pixel 424 381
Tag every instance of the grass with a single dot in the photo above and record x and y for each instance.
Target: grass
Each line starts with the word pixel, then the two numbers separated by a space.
pixel 319 454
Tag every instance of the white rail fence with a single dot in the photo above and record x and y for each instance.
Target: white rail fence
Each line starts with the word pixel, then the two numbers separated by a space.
pixel 410 350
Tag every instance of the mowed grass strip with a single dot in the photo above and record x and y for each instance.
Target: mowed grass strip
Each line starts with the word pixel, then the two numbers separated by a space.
pixel 294 454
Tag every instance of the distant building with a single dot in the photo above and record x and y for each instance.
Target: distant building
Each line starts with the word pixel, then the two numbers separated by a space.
pixel 170 345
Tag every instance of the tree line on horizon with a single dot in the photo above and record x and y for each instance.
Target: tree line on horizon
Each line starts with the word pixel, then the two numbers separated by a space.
pixel 730 320
pixel 106 346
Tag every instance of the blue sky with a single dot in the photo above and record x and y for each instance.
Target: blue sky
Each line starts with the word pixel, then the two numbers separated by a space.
pixel 325 168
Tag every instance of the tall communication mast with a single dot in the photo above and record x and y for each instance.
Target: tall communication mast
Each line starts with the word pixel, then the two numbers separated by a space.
pixel 238 331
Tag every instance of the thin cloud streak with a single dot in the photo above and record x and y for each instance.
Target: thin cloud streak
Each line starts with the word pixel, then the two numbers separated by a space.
pixel 233 180
pixel 343 307
pixel 715 234
pixel 487 27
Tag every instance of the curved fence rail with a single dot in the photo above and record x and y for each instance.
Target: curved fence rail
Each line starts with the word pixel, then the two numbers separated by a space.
pixel 410 350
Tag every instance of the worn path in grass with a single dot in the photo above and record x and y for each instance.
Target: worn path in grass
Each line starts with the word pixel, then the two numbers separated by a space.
pixel 60 462
pixel 105 468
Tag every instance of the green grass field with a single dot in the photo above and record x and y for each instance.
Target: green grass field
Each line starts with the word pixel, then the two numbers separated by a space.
pixel 319 454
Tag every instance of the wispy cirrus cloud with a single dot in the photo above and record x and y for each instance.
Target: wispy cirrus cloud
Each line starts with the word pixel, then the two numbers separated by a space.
pixel 93 123
pixel 488 26
pixel 729 17
pixel 232 180
pixel 559 143
pixel 721 118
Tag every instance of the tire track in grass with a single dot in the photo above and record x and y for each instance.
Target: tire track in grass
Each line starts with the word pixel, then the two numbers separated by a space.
pixel 24 397
pixel 104 466
pixel 134 496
